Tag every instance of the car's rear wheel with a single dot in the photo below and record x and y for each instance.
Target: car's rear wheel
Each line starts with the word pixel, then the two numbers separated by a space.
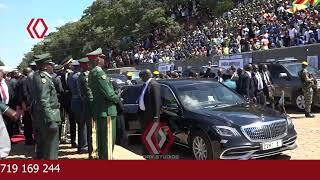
pixel 300 102
pixel 202 148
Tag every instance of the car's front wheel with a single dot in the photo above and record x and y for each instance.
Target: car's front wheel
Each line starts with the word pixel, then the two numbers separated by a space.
pixel 202 148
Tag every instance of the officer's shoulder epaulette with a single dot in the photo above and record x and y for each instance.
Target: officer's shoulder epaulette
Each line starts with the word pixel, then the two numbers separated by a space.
pixel 99 69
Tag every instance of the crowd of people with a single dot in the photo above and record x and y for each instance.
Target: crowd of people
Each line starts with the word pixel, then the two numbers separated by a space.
pixel 46 96
pixel 252 25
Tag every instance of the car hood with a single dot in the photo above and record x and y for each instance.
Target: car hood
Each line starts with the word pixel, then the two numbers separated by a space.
pixel 241 115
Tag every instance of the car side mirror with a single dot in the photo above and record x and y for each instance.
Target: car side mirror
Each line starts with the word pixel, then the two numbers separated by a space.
pixel 283 75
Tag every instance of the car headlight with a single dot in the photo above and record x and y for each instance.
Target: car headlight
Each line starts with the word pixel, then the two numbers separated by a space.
pixel 289 120
pixel 226 131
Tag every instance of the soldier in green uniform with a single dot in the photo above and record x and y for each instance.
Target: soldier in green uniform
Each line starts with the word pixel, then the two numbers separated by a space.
pixel 307 82
pixel 46 106
pixel 104 105
pixel 87 99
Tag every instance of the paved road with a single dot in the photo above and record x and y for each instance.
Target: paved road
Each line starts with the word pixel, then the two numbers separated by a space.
pixel 308 144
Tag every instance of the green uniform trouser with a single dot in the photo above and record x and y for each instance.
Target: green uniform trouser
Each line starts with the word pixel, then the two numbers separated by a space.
pixel 106 136
pixel 308 95
pixel 49 142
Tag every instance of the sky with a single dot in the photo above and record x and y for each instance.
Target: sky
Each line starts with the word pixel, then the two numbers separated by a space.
pixel 15 16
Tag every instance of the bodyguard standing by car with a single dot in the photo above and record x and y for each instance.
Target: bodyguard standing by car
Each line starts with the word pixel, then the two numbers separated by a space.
pixel 46 106
pixel 104 105
pixel 87 100
pixel 307 82
pixel 149 101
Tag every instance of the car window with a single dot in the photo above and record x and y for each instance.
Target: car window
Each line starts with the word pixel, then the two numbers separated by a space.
pixel 275 71
pixel 167 96
pixel 294 69
pixel 201 95
pixel 130 94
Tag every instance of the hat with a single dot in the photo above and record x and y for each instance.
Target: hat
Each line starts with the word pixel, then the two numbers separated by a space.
pixel 67 61
pixel 75 63
pixel 51 62
pixel 305 63
pixel 58 68
pixel 156 72
pixel 129 74
pixel 43 58
pixel 32 64
pixel 84 60
pixel 95 53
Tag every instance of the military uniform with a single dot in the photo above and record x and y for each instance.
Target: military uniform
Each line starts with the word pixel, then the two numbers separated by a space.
pixel 307 88
pixel 87 99
pixel 60 91
pixel 104 108
pixel 67 96
pixel 46 106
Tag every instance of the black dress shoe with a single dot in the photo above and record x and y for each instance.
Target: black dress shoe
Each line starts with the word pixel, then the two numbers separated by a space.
pixel 309 115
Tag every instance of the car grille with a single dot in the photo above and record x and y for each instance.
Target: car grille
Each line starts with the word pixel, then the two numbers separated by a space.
pixel 265 131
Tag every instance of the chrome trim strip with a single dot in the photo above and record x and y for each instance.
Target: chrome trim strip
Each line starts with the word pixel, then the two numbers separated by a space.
pixel 263 124
pixel 250 154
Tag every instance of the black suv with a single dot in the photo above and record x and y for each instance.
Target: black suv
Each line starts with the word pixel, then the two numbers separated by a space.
pixel 284 74
pixel 214 122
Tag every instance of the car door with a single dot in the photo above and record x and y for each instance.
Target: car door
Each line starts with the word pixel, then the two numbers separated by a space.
pixel 172 114
pixel 130 95
pixel 280 83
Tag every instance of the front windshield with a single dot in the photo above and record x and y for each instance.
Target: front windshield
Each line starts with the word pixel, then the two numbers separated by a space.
pixel 294 69
pixel 206 94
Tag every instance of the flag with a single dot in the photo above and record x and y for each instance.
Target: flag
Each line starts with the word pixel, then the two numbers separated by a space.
pixel 300 6
pixel 314 2
pixel 290 10
pixel 303 2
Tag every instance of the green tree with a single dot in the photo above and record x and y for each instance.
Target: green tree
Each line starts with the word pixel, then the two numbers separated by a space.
pixel 1 63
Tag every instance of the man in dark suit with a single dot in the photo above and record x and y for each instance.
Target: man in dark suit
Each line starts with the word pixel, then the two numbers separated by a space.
pixel 149 100
pixel 268 88
pixel 258 85
pixel 246 85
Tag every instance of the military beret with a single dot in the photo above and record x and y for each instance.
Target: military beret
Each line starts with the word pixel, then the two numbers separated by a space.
pixel 67 61
pixel 84 60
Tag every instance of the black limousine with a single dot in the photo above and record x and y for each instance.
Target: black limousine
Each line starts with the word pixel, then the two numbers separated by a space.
pixel 215 122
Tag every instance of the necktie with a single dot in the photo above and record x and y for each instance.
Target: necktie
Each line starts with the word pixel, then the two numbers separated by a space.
pixel 141 99
pixel 4 96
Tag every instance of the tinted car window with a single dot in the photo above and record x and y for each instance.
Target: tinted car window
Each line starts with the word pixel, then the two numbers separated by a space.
pixel 276 70
pixel 167 96
pixel 294 69
pixel 130 94
pixel 203 94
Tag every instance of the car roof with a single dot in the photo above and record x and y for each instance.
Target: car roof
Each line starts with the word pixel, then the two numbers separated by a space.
pixel 179 82
pixel 284 63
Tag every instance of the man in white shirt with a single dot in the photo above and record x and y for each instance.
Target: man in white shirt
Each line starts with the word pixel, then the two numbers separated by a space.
pixel 149 102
